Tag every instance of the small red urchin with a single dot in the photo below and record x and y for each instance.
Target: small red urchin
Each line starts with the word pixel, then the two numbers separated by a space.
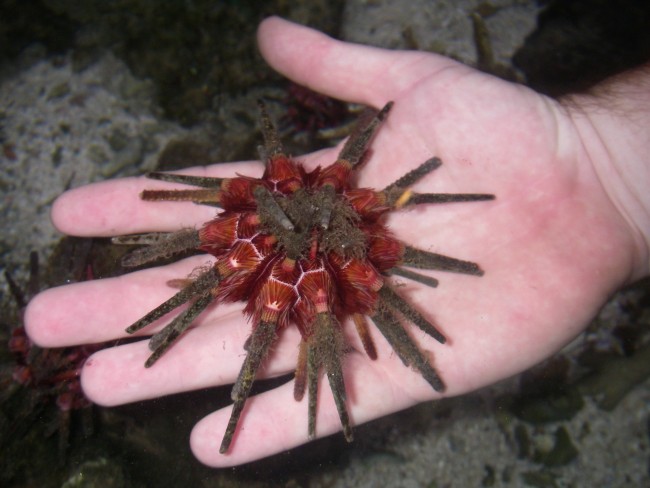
pixel 305 248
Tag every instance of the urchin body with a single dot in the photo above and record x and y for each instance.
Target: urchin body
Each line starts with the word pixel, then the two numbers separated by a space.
pixel 303 248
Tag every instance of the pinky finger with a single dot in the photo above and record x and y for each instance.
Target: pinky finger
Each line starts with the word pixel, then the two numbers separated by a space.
pixel 273 421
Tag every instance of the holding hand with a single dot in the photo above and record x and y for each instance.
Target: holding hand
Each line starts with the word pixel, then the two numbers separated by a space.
pixel 553 246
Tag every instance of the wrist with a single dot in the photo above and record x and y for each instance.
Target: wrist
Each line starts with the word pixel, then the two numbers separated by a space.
pixel 613 121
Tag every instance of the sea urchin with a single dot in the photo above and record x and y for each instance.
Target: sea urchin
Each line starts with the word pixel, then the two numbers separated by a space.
pixel 305 248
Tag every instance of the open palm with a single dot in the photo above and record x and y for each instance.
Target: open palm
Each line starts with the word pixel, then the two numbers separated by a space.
pixel 552 245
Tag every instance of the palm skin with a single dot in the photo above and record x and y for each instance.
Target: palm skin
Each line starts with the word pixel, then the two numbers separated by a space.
pixel 552 245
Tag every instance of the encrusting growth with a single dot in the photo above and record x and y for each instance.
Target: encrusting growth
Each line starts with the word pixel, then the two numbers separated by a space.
pixel 305 248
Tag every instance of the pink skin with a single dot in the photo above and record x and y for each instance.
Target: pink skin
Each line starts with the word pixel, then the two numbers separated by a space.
pixel 553 247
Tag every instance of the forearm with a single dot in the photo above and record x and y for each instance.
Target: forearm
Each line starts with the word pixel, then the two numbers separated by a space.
pixel 613 120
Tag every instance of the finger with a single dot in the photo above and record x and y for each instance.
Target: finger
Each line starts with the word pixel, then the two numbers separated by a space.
pixel 100 310
pixel 343 70
pixel 273 422
pixel 208 355
pixel 114 207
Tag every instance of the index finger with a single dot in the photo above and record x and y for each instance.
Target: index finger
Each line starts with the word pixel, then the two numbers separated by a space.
pixel 114 207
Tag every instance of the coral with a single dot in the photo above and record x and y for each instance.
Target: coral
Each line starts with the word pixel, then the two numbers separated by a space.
pixel 51 373
pixel 40 389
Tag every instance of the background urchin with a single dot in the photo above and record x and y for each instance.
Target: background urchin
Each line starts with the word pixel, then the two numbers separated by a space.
pixel 305 248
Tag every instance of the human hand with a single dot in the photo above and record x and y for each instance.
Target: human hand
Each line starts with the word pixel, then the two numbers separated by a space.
pixel 552 245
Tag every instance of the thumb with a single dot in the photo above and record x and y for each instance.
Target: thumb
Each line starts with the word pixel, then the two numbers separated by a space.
pixel 347 71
